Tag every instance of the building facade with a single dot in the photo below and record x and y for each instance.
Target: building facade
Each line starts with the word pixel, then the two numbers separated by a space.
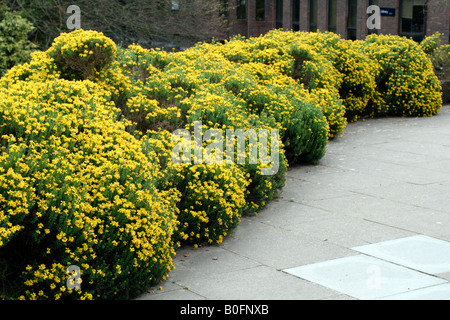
pixel 348 18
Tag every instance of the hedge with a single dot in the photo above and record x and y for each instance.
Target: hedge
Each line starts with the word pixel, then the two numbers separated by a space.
pixel 88 176
pixel 406 82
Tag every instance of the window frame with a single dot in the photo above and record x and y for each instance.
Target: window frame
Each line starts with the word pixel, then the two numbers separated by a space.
pixel 257 18
pixel 295 15
pixel 352 30
pixel 278 11
pixel 240 4
pixel 332 27
pixel 313 27
pixel 415 35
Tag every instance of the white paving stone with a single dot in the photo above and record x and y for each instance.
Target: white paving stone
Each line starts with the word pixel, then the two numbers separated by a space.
pixel 439 292
pixel 419 252
pixel 364 277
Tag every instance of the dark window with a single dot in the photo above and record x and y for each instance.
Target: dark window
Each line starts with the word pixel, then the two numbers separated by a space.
pixel 412 23
pixel 260 10
pixel 312 15
pixel 296 15
pixel 279 14
pixel 332 13
pixel 241 9
pixel 373 2
pixel 351 19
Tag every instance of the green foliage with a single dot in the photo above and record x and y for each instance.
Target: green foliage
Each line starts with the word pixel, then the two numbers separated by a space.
pixel 439 55
pixel 14 45
pixel 431 43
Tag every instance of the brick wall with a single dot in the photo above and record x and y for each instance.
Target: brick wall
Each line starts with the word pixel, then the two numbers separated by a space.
pixel 237 26
pixel 304 15
pixel 322 15
pixel 361 20
pixel 341 19
pixel 439 11
pixel 256 28
pixel 390 25
pixel 437 18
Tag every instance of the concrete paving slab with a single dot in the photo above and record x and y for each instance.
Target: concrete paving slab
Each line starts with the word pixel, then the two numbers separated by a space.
pixel 352 231
pixel 417 252
pixel 259 283
pixel 191 262
pixel 441 165
pixel 438 292
pixel 179 294
pixel 279 247
pixel 415 148
pixel 417 173
pixel 291 215
pixel 393 156
pixel 346 178
pixel 301 191
pixel 445 276
pixel 429 196
pixel 402 216
pixel 429 135
pixel 364 277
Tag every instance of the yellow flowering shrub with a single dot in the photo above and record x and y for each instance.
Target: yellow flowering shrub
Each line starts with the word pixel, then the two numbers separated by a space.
pixel 357 83
pixel 87 177
pixel 81 54
pixel 221 110
pixel 439 54
pixel 406 83
pixel 431 43
pixel 289 56
pixel 333 110
pixel 141 90
pixel 213 198
pixel 304 129
pixel 216 95
pixel 213 195
pixel 271 95
pixel 76 189
pixel 40 68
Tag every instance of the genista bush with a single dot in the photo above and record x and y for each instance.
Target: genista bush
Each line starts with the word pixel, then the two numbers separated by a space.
pixel 357 83
pixel 288 56
pixel 87 174
pixel 439 55
pixel 406 82
pixel 76 189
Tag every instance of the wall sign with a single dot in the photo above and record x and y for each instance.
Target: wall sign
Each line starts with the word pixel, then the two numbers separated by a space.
pixel 389 12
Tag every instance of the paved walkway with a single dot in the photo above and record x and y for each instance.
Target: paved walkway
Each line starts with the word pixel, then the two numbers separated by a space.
pixel 370 221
